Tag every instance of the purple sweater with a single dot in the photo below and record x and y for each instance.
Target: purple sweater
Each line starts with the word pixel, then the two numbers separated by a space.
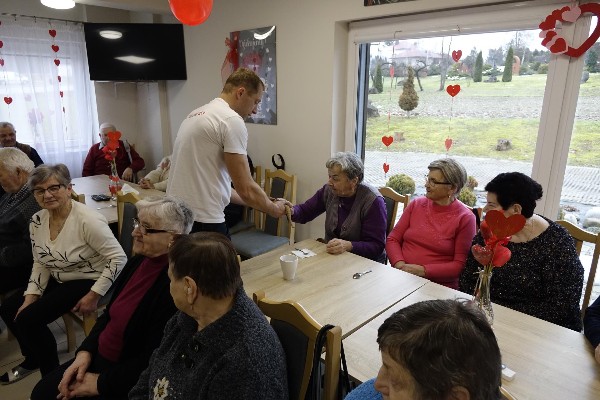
pixel 371 243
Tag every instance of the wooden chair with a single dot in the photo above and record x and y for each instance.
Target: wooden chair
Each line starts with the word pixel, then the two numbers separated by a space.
pixel 579 236
pixel 506 395
pixel 268 236
pixel 392 199
pixel 78 197
pixel 251 216
pixel 297 331
pixel 478 212
pixel 126 212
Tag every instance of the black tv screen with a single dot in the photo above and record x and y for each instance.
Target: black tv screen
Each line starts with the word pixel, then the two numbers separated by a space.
pixel 143 52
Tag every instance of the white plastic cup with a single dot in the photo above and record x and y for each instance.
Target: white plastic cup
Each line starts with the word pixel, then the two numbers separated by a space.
pixel 289 264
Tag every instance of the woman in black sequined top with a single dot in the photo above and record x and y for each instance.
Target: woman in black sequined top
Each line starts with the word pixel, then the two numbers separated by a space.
pixel 544 276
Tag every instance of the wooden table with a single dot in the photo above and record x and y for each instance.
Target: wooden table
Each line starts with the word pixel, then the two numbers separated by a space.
pixel 325 287
pixel 98 184
pixel 551 362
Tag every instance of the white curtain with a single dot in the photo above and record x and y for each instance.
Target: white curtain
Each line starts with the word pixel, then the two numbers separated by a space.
pixel 53 107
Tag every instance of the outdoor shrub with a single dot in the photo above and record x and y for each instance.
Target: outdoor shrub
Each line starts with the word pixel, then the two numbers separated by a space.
pixel 378 79
pixel 543 69
pixel 507 74
pixel 402 184
pixel 467 196
pixel 471 182
pixel 478 68
pixel 409 99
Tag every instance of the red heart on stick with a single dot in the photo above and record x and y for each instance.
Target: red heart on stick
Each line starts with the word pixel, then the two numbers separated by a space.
pixel 448 144
pixel 503 227
pixel 453 90
pixel 55 48
pixel 501 255
pixel 52 32
pixel 8 100
pixel 387 140
pixel 386 167
pixel 482 254
pixel 456 55
pixel 2 62
pixel 56 62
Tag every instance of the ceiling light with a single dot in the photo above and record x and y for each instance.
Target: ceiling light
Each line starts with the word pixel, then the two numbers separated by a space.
pixel 135 59
pixel 112 35
pixel 59 4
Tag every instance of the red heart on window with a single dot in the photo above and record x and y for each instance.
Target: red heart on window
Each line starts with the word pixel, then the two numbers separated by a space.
pixel 386 167
pixel 453 90
pixel 61 93
pixel 2 62
pixel 448 144
pixel 59 78
pixel 56 62
pixel 52 32
pixel 1 44
pixel 8 100
pixel 503 227
pixel 387 140
pixel 482 254
pixel 55 48
pixel 456 55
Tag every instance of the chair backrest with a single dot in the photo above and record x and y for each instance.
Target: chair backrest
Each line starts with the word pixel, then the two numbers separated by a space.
pixel 126 211
pixel 297 332
pixel 78 197
pixel 579 236
pixel 249 213
pixel 391 199
pixel 478 212
pixel 279 184
pixel 506 395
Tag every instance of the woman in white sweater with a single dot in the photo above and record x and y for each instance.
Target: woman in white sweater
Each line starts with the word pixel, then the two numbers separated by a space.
pixel 76 259
pixel 158 178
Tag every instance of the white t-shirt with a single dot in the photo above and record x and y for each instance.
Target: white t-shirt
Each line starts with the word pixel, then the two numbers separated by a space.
pixel 198 174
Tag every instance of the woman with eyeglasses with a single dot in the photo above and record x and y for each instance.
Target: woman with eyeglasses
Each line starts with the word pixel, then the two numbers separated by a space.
pixel 219 344
pixel 111 358
pixel 76 259
pixel 433 236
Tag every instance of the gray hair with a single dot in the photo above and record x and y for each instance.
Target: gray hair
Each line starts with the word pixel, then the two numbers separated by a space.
pixel 173 212
pixel 5 124
pixel 350 164
pixel 12 159
pixel 453 172
pixel 108 125
pixel 45 171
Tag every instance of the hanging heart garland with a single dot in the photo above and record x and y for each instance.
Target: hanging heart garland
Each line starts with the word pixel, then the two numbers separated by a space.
pixel 453 90
pixel 55 48
pixel 8 99
pixel 386 167
pixel 52 32
pixel 456 55
pixel 2 62
pixel 448 143
pixel 387 140
pixel 557 44
pixel 56 62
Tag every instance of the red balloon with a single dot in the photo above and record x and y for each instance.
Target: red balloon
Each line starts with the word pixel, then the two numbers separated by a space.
pixel 191 12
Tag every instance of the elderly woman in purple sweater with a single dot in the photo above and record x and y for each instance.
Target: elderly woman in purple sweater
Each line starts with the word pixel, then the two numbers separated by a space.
pixel 355 214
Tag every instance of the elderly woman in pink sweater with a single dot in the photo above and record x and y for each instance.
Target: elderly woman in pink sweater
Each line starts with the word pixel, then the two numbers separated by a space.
pixel 433 237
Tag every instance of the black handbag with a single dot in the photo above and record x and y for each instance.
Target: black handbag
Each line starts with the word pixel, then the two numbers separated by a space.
pixel 316 378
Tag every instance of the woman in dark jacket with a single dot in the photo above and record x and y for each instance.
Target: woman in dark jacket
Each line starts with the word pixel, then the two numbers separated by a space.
pixel 109 361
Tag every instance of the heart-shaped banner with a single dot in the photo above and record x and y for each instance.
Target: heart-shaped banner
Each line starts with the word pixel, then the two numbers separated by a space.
pixel 503 227
pixel 52 32
pixel 56 62
pixel 8 100
pixel 453 90
pixel 482 254
pixel 448 144
pixel 386 167
pixel 555 42
pixel 55 48
pixel 456 55
pixel 387 140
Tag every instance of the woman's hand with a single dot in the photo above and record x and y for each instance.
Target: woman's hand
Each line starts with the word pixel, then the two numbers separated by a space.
pixel 338 246
pixel 87 304
pixel 128 174
pixel 289 204
pixel 414 269
pixel 146 184
pixel 87 387
pixel 29 299
pixel 75 373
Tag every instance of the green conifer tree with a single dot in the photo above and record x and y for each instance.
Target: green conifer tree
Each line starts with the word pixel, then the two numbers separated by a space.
pixel 378 79
pixel 409 99
pixel 507 75
pixel 478 71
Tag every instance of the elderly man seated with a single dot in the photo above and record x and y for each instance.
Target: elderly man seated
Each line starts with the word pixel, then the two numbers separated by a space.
pixel 128 161
pixel 8 138
pixel 17 206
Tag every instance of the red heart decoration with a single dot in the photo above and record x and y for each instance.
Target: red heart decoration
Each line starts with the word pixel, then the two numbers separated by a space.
pixel 191 12
pixel 482 254
pixel 59 78
pixel 566 14
pixel 1 44
pixel 8 100
pixel 501 255
pixel 61 93
pixel 56 62
pixel 386 167
pixel 453 90
pixel 114 136
pixel 448 143
pixel 52 32
pixel 2 61
pixel 456 55
pixel 387 140
pixel 63 109
pixel 55 48
pixel 571 15
pixel 392 72
pixel 559 46
pixel 503 227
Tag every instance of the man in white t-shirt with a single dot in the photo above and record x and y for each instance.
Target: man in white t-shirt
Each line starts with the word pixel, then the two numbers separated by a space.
pixel 210 153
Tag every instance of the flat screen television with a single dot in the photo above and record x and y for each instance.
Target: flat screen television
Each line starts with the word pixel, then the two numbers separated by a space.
pixel 135 52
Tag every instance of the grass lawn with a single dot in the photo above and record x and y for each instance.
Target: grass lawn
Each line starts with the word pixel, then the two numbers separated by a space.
pixel 481 114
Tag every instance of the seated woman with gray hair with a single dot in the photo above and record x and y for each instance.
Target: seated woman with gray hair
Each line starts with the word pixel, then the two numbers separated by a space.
pixel 76 259
pixel 17 206
pixel 110 360
pixel 435 350
pixel 355 213
pixel 433 237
